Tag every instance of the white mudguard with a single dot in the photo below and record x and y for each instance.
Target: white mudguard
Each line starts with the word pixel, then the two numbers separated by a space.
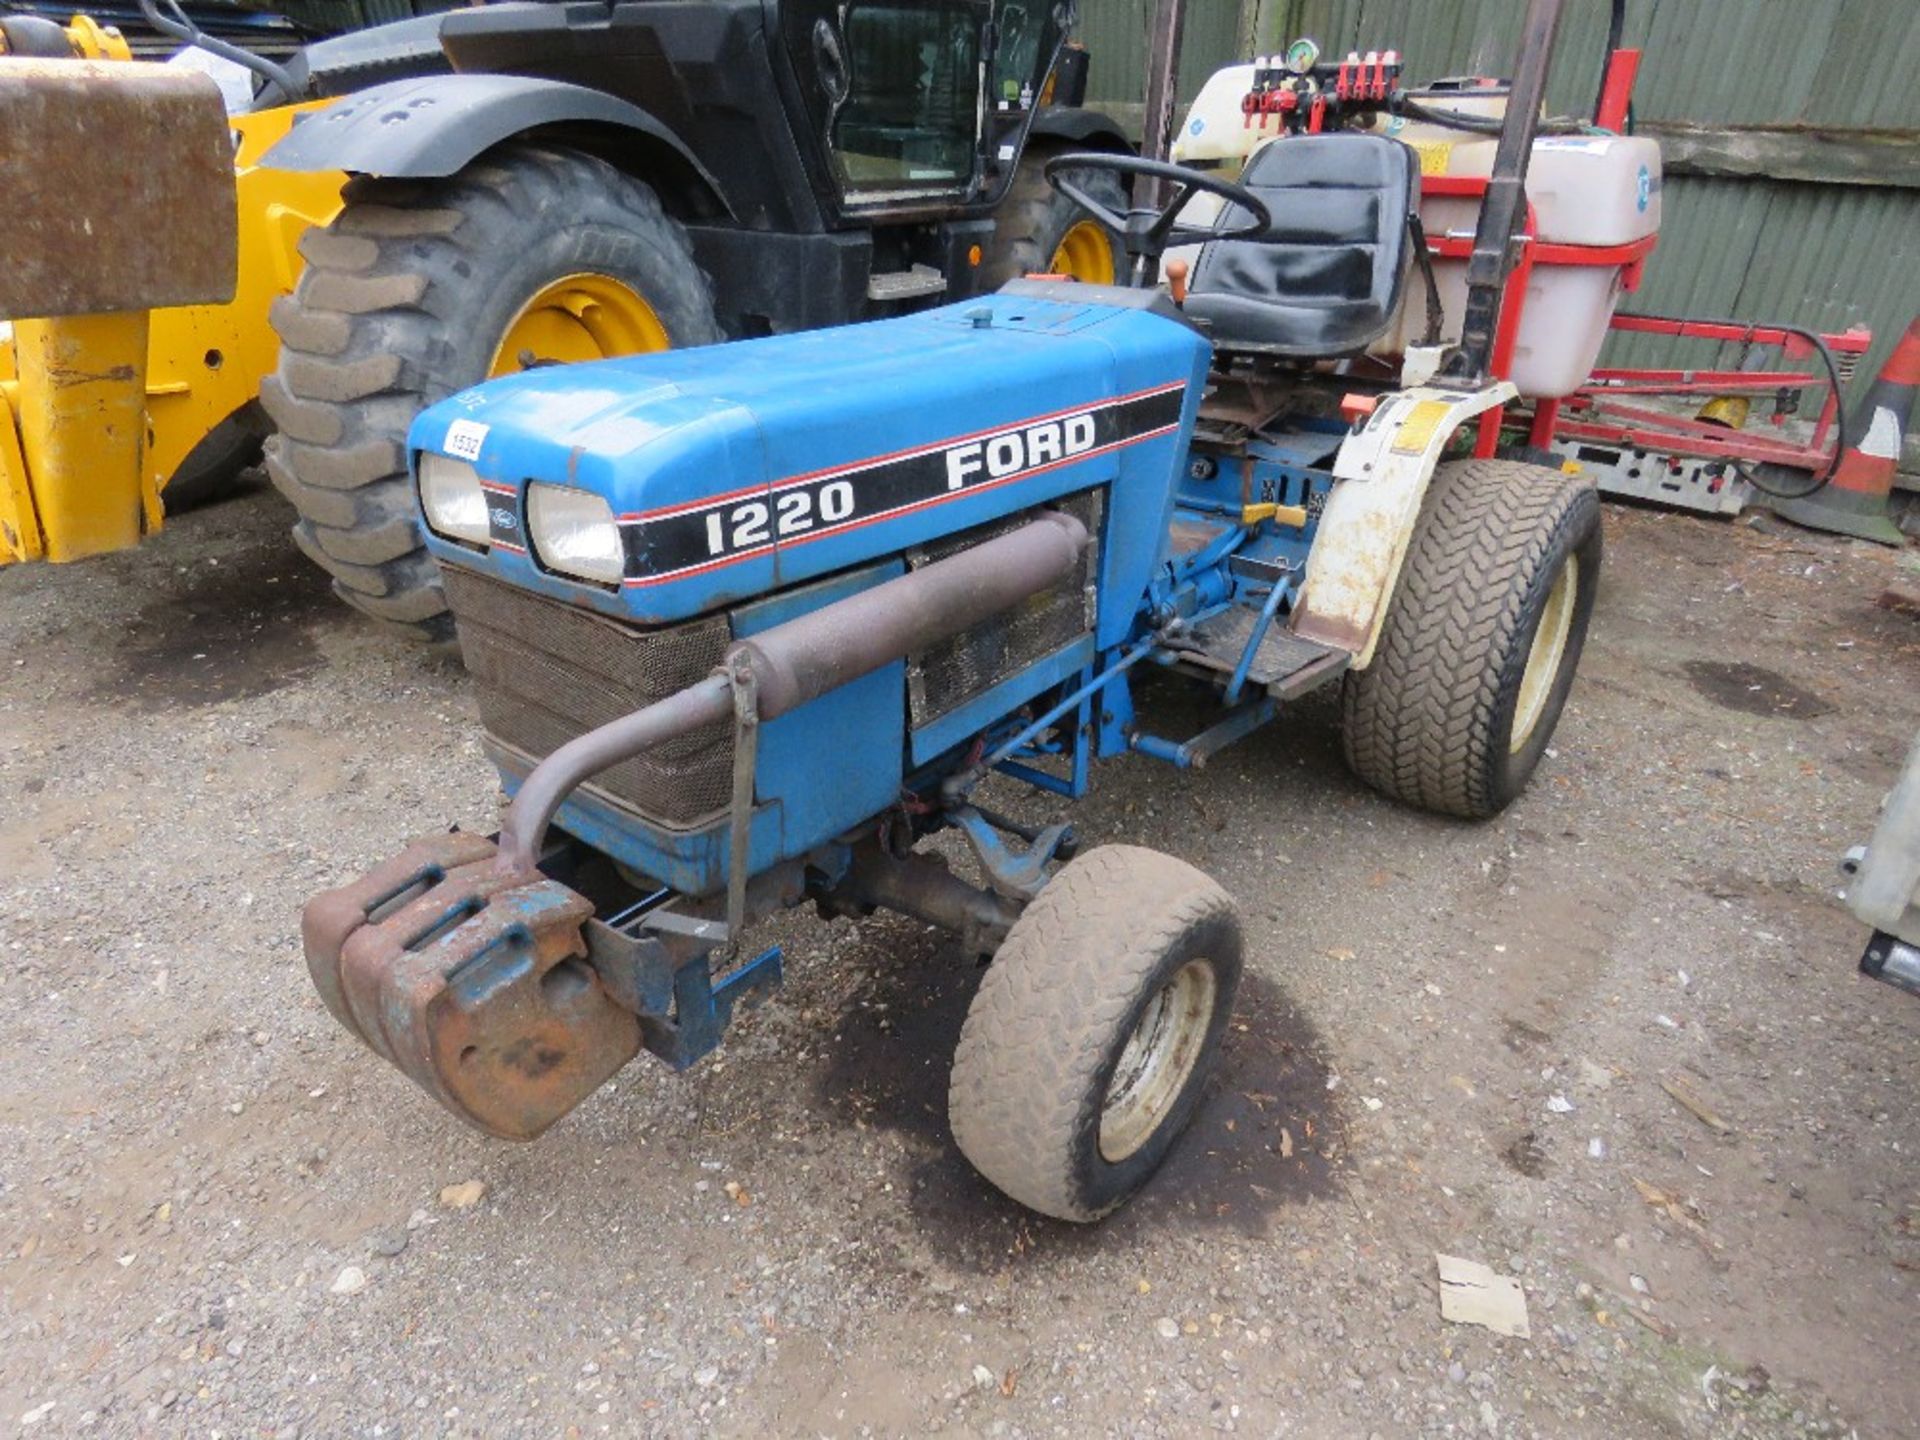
pixel 1381 476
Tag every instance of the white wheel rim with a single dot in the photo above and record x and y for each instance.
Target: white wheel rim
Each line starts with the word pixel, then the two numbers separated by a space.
pixel 1544 656
pixel 1159 1056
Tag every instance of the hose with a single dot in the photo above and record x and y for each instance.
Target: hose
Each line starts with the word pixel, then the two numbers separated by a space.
pixel 181 28
pixel 1750 473
pixel 1485 124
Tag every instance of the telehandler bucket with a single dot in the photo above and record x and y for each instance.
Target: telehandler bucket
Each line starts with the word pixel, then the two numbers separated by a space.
pixel 119 198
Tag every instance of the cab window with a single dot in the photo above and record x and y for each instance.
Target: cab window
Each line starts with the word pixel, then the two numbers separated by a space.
pixel 897 86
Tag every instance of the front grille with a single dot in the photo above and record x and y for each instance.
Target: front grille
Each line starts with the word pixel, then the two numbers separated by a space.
pixel 945 676
pixel 546 672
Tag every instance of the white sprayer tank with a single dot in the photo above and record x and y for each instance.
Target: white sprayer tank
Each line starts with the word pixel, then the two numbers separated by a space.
pixel 1595 191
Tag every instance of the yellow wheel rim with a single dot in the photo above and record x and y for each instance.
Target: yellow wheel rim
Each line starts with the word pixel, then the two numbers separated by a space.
pixel 578 317
pixel 1085 253
pixel 1543 657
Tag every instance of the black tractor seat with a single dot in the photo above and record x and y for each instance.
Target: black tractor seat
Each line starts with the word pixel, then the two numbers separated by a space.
pixel 1325 279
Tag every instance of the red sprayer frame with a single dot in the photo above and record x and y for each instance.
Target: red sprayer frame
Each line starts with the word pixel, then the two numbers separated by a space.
pixel 1593 412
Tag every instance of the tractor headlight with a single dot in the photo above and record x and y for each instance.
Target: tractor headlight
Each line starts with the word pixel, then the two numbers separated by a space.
pixel 574 532
pixel 450 494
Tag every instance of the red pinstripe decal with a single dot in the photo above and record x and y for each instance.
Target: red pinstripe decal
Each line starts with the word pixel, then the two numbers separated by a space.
pixel 908 508
pixel 854 467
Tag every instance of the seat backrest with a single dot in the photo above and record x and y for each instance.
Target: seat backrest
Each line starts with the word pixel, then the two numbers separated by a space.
pixel 1325 279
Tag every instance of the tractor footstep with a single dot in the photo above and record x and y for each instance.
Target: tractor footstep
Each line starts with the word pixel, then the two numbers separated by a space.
pixel 1284 666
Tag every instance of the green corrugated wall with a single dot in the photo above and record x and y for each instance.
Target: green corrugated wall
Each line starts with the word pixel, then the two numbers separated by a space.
pixel 1826 255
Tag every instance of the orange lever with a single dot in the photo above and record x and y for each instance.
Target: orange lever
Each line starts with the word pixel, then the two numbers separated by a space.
pixel 1357 408
pixel 1177 281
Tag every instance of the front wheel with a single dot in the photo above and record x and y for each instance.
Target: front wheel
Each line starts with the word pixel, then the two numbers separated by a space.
pixel 1086 1048
pixel 1481 641
pixel 530 256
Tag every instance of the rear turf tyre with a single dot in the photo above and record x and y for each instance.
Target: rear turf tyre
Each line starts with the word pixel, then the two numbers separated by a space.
pixel 1481 641
pixel 422 288
pixel 1037 230
pixel 1093 1032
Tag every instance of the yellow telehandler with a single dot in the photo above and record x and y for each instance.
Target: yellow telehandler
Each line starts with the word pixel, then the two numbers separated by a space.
pixel 72 484
pixel 425 204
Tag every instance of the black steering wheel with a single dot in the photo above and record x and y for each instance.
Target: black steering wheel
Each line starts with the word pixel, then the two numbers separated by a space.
pixel 1148 233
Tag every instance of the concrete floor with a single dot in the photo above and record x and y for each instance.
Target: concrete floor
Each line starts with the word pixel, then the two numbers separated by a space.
pixel 194 738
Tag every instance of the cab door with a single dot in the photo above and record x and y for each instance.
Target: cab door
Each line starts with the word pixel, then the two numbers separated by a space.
pixel 894 95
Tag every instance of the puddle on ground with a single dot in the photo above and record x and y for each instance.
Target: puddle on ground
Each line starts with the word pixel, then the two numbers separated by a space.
pixel 1233 1168
pixel 226 631
pixel 1753 690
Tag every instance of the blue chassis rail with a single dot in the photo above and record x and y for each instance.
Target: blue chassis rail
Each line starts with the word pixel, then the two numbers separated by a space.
pixel 1189 594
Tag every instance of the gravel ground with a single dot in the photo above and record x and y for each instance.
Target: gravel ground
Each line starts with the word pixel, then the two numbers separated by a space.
pixel 219 1216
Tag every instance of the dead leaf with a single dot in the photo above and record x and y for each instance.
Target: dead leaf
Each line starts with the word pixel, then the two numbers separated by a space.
pixel 1685 1091
pixel 1652 1194
pixel 1286 1143
pixel 1659 1327
pixel 1685 1212
pixel 463 1196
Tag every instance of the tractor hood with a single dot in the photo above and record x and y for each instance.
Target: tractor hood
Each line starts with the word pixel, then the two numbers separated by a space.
pixel 739 469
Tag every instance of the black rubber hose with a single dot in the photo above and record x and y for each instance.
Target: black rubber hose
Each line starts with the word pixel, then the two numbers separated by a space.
pixel 1484 124
pixel 1750 473
pixel 187 33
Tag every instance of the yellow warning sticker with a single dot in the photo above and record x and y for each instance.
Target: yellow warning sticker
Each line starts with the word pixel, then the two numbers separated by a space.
pixel 1416 431
pixel 1433 155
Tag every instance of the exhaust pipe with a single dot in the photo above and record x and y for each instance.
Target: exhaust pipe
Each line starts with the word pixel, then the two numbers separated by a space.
pixel 808 656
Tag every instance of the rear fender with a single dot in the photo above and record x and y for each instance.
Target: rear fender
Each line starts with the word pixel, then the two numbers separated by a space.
pixel 432 126
pixel 1381 473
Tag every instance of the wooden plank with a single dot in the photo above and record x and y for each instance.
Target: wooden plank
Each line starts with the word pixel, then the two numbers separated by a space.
pixel 1821 157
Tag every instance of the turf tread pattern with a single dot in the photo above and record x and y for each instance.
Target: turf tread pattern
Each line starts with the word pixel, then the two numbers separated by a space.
pixel 1039 1028
pixel 1418 723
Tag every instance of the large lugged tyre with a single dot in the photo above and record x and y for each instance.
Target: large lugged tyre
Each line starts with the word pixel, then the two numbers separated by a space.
pixel 1037 230
pixel 1094 1029
pixel 422 288
pixel 1481 640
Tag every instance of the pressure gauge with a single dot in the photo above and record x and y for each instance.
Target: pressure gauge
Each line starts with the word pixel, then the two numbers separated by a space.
pixel 1302 55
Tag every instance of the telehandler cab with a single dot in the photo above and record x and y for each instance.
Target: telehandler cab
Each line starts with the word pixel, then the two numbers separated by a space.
pixel 748 623
pixel 425 204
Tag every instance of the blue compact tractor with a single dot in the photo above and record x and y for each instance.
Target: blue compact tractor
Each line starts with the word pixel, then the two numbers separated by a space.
pixel 749 623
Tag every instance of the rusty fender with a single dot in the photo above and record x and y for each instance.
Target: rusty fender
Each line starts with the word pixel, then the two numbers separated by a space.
pixel 1382 472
